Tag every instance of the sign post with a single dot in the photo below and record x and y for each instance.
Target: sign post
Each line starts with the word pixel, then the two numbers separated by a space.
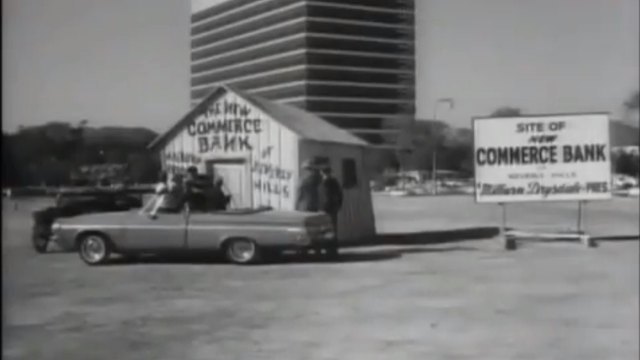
pixel 580 217
pixel 542 158
pixel 509 241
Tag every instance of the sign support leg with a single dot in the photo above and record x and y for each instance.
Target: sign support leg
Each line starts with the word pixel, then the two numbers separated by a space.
pixel 509 242
pixel 584 237
pixel 580 217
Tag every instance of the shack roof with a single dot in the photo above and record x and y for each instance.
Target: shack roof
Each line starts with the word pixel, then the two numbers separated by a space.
pixel 304 124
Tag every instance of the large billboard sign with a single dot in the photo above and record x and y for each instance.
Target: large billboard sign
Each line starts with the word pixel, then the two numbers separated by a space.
pixel 542 158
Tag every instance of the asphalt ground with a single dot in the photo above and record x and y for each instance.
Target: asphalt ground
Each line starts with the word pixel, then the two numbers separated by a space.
pixel 461 299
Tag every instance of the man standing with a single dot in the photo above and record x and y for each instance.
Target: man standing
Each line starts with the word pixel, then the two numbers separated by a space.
pixel 307 195
pixel 331 202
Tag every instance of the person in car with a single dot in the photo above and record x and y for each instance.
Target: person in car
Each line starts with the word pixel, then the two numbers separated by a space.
pixel 216 197
pixel 173 199
pixel 196 187
pixel 161 186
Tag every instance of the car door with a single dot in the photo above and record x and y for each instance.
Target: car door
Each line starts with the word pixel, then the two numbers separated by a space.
pixel 164 231
pixel 204 231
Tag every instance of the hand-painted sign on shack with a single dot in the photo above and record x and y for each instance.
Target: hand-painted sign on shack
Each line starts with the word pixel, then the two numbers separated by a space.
pixel 257 147
pixel 542 158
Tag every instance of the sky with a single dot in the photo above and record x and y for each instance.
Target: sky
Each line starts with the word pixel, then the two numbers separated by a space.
pixel 126 62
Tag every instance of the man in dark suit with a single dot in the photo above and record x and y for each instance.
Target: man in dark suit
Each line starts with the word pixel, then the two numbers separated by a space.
pixel 307 198
pixel 331 202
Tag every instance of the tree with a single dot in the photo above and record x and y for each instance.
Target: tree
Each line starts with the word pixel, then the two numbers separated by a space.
pixel 52 153
pixel 627 164
pixel 77 136
pixel 143 167
pixel 507 111
pixel 380 160
pixel 418 139
pixel 631 107
pixel 633 102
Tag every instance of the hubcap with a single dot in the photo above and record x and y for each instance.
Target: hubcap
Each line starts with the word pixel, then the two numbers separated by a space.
pixel 242 250
pixel 93 249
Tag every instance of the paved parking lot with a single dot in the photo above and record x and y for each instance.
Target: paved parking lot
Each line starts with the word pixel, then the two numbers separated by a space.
pixel 459 300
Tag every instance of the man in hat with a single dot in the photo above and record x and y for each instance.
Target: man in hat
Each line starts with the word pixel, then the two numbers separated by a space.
pixel 195 188
pixel 216 196
pixel 331 202
pixel 307 198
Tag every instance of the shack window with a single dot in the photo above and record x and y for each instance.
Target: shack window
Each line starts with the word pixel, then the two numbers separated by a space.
pixel 349 174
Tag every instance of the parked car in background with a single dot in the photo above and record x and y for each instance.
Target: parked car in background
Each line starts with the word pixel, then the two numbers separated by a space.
pixel 243 235
pixel 621 181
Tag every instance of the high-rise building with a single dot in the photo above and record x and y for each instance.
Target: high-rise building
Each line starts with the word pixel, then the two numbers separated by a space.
pixel 348 61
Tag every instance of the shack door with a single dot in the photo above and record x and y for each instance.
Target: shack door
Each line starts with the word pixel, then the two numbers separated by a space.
pixel 235 175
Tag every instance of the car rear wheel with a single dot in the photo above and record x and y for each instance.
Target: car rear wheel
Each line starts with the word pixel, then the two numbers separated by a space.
pixel 40 243
pixel 94 249
pixel 242 251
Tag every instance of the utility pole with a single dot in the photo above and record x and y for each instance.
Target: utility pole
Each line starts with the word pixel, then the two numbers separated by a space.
pixel 434 140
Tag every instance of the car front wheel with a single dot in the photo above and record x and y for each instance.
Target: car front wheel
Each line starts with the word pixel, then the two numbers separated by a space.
pixel 242 251
pixel 94 249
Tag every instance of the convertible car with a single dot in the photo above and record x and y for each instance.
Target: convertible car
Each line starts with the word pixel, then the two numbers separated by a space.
pixel 243 235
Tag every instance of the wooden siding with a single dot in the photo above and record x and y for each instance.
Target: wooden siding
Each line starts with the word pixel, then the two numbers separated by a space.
pixel 269 149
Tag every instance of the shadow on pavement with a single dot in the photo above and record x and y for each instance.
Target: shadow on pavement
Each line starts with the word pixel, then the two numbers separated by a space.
pixel 419 250
pixel 430 237
pixel 344 257
pixel 617 238
pixel 351 256
pixel 179 259
pixel 218 259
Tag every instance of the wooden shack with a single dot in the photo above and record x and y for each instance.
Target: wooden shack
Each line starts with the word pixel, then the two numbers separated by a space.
pixel 257 146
